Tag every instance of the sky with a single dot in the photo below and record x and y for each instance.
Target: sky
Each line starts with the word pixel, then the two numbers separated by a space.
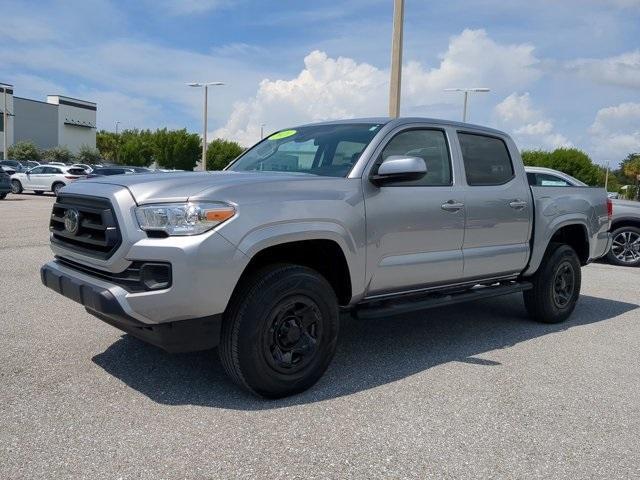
pixel 561 72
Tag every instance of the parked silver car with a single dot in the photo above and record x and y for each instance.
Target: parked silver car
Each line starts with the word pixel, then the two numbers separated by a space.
pixel 625 220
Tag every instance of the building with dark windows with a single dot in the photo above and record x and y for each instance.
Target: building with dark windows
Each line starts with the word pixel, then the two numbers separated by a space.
pixel 60 121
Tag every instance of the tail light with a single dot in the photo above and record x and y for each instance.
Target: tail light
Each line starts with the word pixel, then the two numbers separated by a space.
pixel 609 208
pixel 71 177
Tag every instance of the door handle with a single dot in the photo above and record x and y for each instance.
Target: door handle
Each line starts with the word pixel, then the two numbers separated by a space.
pixel 518 204
pixel 452 206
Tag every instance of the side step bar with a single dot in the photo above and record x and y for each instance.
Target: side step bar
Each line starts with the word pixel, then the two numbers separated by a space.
pixel 406 304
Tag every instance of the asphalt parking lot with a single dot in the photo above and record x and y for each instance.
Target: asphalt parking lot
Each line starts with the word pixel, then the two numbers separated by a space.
pixel 473 391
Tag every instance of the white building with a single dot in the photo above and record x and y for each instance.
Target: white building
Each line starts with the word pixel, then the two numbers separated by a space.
pixel 60 121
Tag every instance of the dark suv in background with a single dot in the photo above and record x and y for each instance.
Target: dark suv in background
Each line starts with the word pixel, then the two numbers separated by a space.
pixel 5 184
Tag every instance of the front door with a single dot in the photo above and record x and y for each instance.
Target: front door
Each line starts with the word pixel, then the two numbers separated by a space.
pixel 415 228
pixel 33 178
pixel 498 206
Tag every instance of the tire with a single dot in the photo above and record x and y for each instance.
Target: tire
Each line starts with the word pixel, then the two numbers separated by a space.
pixel 625 249
pixel 556 285
pixel 273 321
pixel 3 195
pixel 38 192
pixel 16 186
pixel 56 187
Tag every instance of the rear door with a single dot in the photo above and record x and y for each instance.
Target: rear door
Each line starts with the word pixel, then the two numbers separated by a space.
pixel 49 175
pixel 414 229
pixel 498 206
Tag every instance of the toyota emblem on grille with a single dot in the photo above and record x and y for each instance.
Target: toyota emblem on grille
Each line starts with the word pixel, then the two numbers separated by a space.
pixel 71 221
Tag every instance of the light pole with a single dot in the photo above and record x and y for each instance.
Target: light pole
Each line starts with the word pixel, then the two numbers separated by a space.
pixel 204 130
pixel 117 143
pixel 466 96
pixel 262 130
pixel 396 59
pixel 5 125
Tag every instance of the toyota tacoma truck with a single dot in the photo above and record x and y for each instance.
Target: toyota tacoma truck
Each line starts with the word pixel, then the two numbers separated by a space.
pixel 372 217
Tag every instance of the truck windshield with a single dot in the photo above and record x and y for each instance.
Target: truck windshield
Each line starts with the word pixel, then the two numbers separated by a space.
pixel 327 150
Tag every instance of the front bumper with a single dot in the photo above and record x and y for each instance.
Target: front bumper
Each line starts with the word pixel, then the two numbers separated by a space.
pixel 177 336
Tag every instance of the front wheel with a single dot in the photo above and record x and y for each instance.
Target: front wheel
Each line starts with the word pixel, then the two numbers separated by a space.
pixel 280 331
pixel 16 186
pixel 625 249
pixel 556 285
pixel 3 195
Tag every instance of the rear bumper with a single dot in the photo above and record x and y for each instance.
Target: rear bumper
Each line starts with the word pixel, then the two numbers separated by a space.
pixel 177 336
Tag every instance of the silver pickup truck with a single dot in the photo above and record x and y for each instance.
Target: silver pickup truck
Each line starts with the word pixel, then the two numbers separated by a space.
pixel 374 217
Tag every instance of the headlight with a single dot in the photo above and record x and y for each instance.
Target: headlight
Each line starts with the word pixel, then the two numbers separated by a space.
pixel 183 218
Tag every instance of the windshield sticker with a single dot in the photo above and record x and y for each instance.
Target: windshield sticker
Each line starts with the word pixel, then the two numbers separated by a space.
pixel 282 134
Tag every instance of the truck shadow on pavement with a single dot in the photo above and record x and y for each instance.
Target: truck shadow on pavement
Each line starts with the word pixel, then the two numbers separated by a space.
pixel 370 353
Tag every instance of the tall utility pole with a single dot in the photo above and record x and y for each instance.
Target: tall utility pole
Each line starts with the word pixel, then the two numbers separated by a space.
pixel 117 143
pixel 262 131
pixel 396 59
pixel 5 125
pixel 466 97
pixel 205 115
pixel 606 178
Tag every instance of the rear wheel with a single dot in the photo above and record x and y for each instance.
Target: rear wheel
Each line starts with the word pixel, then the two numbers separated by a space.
pixel 280 331
pixel 556 285
pixel 56 188
pixel 625 249
pixel 16 186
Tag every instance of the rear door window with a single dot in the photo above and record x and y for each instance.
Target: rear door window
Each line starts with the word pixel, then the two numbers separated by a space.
pixel 486 159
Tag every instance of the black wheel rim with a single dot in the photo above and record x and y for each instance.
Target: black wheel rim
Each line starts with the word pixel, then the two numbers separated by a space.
pixel 626 246
pixel 564 282
pixel 293 334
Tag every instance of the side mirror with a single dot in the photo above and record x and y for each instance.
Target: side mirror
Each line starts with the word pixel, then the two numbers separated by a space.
pixel 399 168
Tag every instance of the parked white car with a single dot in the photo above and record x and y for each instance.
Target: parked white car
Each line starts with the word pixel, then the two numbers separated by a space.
pixel 45 178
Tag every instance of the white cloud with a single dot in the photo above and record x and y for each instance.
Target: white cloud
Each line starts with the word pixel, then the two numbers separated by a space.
pixel 189 7
pixel 473 60
pixel 325 88
pixel 340 87
pixel 616 131
pixel 148 74
pixel 530 129
pixel 622 70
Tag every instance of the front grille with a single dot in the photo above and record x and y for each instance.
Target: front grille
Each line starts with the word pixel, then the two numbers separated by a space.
pixel 137 277
pixel 96 232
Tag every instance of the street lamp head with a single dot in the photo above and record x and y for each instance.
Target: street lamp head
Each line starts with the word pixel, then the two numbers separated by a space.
pixel 474 89
pixel 204 84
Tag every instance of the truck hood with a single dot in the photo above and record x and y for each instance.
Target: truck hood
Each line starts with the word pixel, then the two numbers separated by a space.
pixel 183 186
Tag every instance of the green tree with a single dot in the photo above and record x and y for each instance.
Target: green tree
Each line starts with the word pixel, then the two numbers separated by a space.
pixel 535 158
pixel 57 154
pixel 88 154
pixel 631 166
pixel 176 149
pixel 220 153
pixel 24 150
pixel 135 148
pixel 631 170
pixel 106 143
pixel 571 161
